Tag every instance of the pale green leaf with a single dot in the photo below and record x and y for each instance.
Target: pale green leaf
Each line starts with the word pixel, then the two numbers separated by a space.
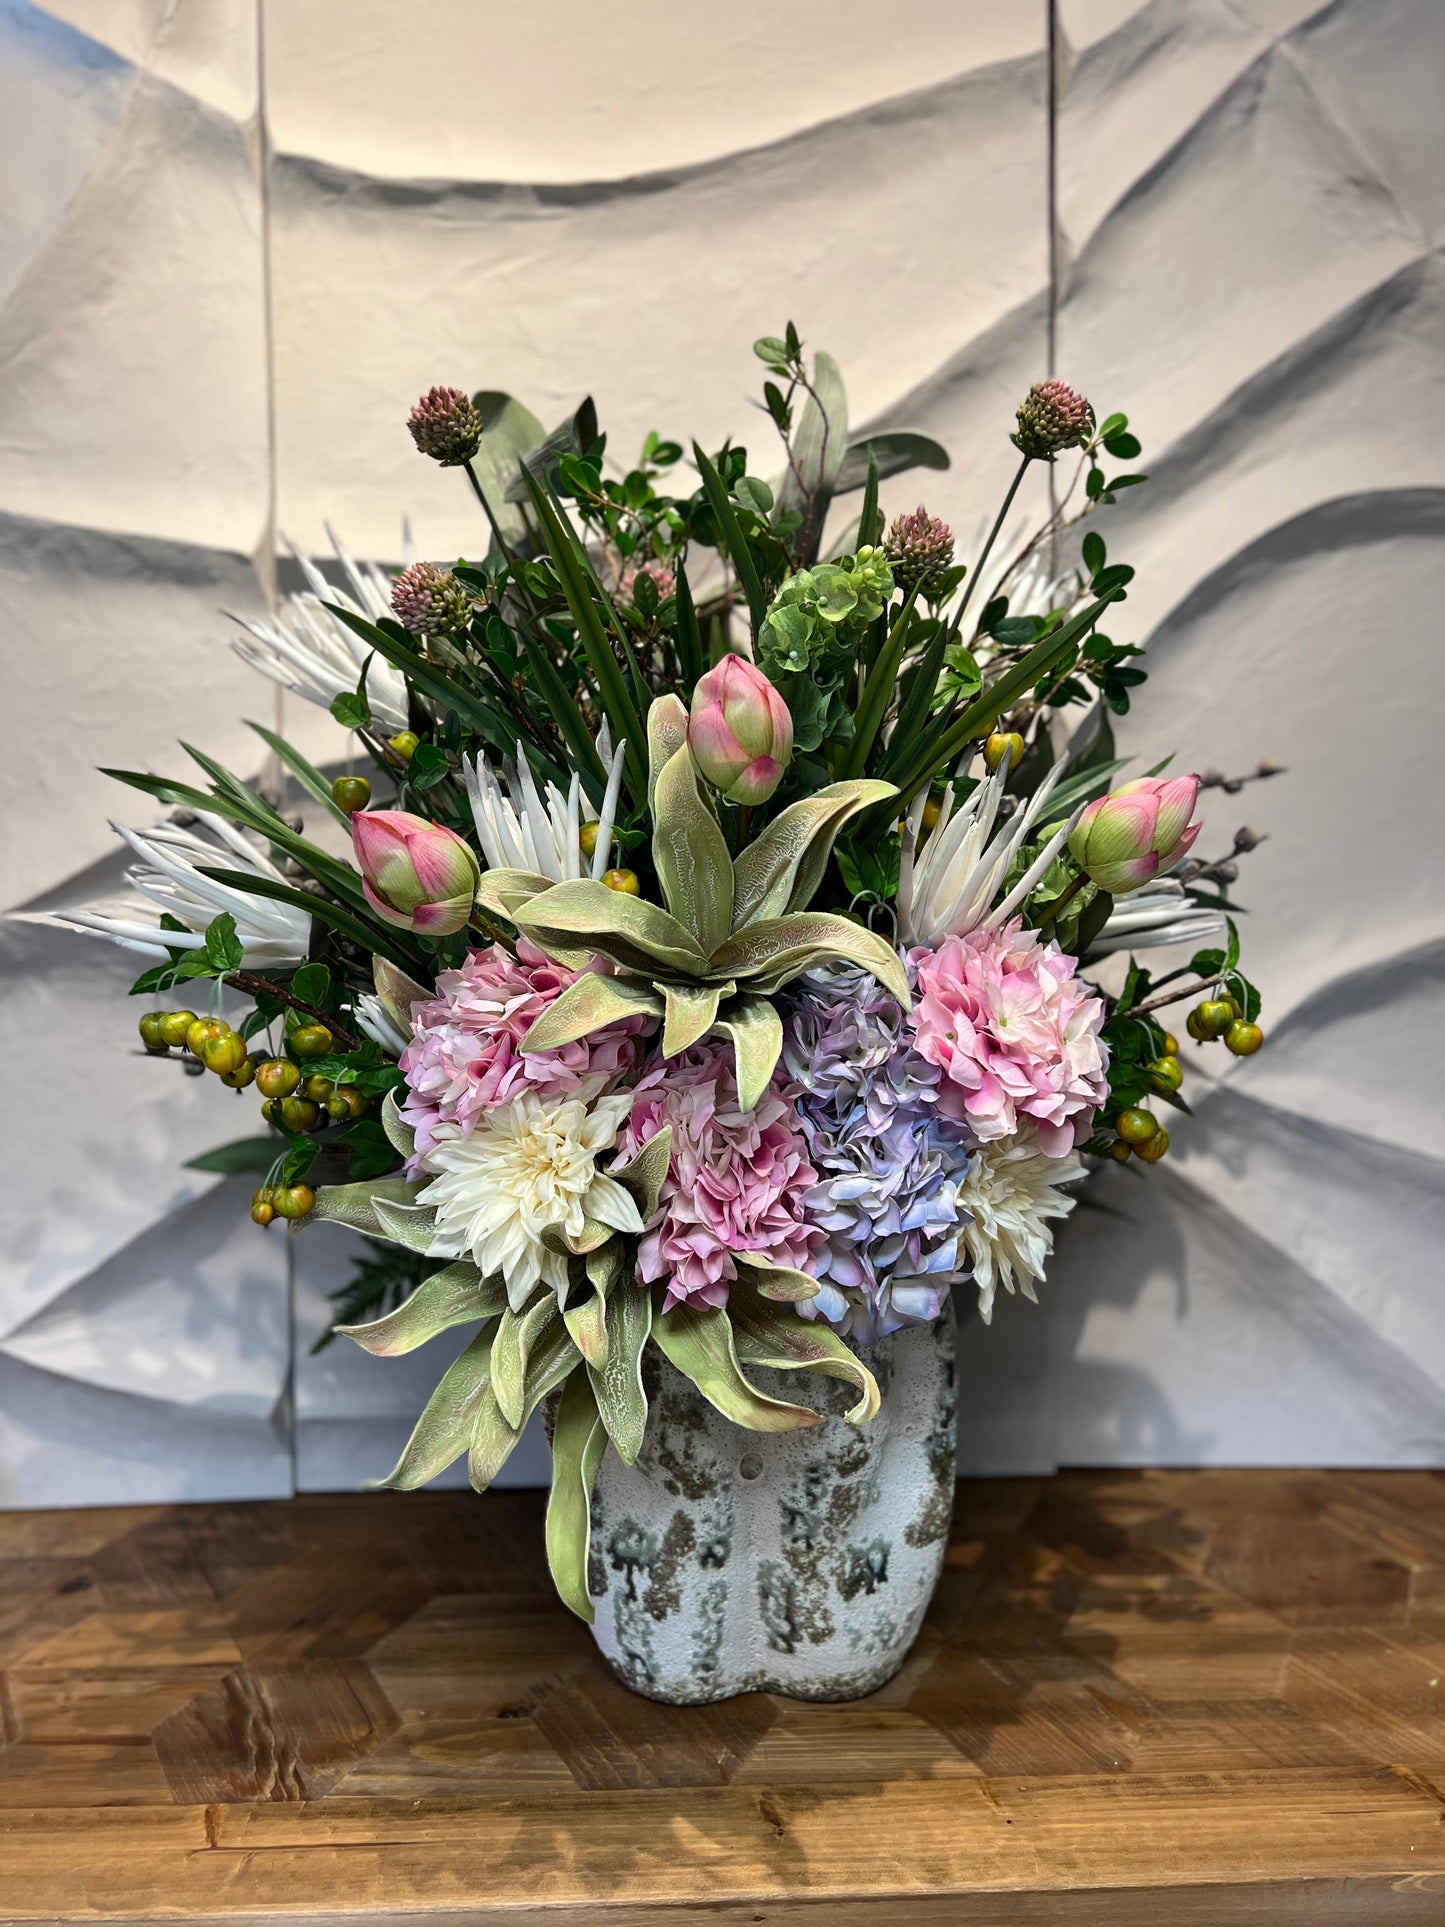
pixel 503 891
pixel 493 1436
pixel 766 1335
pixel 444 1429
pixel 756 1031
pixel 699 1342
pixel 587 1323
pixel 771 954
pixel 691 1009
pixel 516 1336
pixel 690 854
pixel 579 1439
pixel 666 734
pixel 783 1283
pixel 397 991
pixel 638 935
pixel 644 1172
pixel 618 1385
pixel 415 1227
pixel 780 870
pixel 456 1296
pixel 354 1205
pixel 591 1003
pixel 400 1134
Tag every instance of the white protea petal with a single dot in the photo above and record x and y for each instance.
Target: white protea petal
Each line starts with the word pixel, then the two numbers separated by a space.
pixel 602 851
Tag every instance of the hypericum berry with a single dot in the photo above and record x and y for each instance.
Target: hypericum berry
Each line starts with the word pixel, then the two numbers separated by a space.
pixel 351 793
pixel 932 811
pixel 298 1113
pixel 1119 1151
pixel 277 1077
pixel 623 881
pixel 310 1040
pixel 1242 1038
pixel 240 1078
pixel 404 745
pixel 295 1201
pixel 318 1089
pixel 1196 1029
pixel 201 1031
pixel 1136 1126
pixel 1171 1044
pixel 224 1053
pixel 445 425
pixel 1004 743
pixel 150 1032
pixel 587 838
pixel 349 1096
pixel 1215 1015
pixel 173 1026
pixel 1165 1073
pixel 263 1209
pixel 1153 1148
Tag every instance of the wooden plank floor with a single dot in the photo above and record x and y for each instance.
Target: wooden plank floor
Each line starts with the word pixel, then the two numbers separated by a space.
pixel 1141 1698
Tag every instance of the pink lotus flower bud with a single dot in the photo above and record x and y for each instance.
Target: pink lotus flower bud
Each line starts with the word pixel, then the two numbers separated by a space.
pixel 1127 837
pixel 741 733
pixel 417 875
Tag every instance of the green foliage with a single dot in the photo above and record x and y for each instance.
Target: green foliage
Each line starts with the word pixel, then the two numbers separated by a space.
pixel 381 1280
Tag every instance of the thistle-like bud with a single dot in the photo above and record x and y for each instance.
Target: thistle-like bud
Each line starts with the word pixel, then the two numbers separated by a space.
pixel 446 426
pixel 919 547
pixel 1052 417
pixel 430 601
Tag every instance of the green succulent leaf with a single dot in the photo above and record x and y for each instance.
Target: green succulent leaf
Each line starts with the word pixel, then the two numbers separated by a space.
pixel 781 869
pixel 399 1133
pixel 666 735
pixel 517 1333
pixel 444 1430
pixel 783 1283
pixel 691 1009
pixel 579 1438
pixel 768 955
pixel 756 1033
pixel 586 1321
pixel 413 1226
pixel 355 1205
pixel 637 935
pixel 459 1295
pixel 590 1004
pixel 699 1342
pixel 617 1385
pixel 690 855
pixel 644 1172
pixel 503 891
pixel 766 1335
pixel 553 1356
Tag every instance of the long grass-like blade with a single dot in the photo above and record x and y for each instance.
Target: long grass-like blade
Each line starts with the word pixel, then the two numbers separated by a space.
pixel 742 556
pixel 689 639
pixel 369 936
pixel 306 774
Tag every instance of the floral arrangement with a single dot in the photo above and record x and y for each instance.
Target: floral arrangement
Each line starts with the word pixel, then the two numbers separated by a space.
pixel 716 972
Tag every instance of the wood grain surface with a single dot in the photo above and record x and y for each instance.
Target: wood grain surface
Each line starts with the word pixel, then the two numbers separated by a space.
pixel 1207 1699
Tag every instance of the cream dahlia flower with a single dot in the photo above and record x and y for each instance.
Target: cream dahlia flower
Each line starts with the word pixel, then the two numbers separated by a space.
pixel 530 1167
pixel 1011 1191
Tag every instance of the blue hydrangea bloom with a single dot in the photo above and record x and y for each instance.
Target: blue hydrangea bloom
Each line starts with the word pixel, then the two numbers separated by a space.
pixel 889 1165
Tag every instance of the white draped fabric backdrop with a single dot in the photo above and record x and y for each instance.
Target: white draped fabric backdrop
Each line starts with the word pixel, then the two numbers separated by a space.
pixel 237 237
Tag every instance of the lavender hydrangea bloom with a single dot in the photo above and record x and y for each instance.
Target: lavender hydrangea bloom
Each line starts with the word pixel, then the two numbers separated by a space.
pixel 889 1164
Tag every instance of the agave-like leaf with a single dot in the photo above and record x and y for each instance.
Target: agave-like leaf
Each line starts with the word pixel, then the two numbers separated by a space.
pixel 666 735
pixel 604 1267
pixel 579 1439
pixel 644 1172
pixel 592 1237
pixel 443 1431
pixel 617 1385
pixel 780 870
pixel 766 956
pixel 635 934
pixel 502 891
pixel 400 1134
pixel 756 1031
pixel 397 991
pixel 493 1436
pixel 691 1009
pixel 587 1323
pixel 767 1335
pixel 783 1283
pixel 590 1004
pixel 458 1295
pixel 517 1333
pixel 690 854
pixel 354 1205
pixel 699 1342
pixel 413 1226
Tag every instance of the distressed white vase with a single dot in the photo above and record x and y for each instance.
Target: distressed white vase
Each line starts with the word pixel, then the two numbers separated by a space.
pixel 727 1561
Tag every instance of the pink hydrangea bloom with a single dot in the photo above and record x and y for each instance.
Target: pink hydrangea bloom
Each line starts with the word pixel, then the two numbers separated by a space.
pixel 465 1055
pixel 735 1181
pixel 1015 1033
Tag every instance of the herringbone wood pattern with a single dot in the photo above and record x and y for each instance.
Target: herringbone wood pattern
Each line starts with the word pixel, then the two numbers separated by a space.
pixel 1150 1697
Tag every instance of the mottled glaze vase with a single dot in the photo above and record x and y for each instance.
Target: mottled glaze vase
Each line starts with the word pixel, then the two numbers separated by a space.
pixel 727 1561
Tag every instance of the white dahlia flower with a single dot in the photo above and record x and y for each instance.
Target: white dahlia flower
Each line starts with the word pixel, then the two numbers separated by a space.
pixel 529 1167
pixel 1011 1190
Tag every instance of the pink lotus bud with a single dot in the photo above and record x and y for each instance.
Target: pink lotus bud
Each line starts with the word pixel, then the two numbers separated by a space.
pixel 1139 829
pixel 741 734
pixel 417 875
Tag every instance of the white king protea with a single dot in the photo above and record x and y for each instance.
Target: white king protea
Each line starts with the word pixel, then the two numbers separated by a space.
pixel 518 831
pixel 947 884
pixel 313 654
pixel 528 1168
pixel 273 935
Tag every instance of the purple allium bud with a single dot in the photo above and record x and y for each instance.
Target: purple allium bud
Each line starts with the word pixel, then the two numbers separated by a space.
pixel 1052 416
pixel 919 548
pixel 446 426
pixel 661 578
pixel 430 601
